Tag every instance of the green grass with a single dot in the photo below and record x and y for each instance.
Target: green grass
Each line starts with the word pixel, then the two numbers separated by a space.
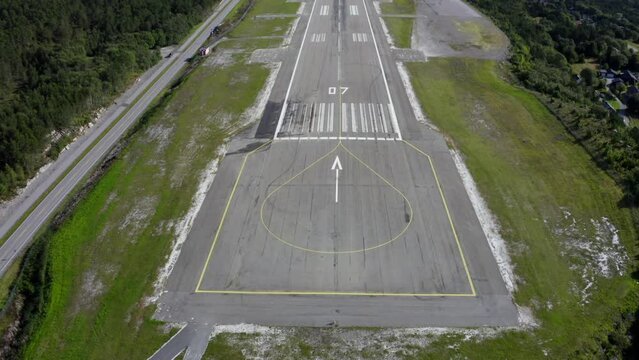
pixel 616 104
pixel 589 64
pixel 266 26
pixel 480 35
pixel 530 172
pixel 105 258
pixel 399 7
pixel 401 30
pixel 219 349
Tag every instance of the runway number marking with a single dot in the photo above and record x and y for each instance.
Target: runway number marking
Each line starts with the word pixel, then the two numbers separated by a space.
pixel 333 90
pixel 337 167
pixel 324 10
pixel 354 10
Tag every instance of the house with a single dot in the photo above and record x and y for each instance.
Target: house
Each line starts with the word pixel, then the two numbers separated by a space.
pixel 628 77
pixel 205 51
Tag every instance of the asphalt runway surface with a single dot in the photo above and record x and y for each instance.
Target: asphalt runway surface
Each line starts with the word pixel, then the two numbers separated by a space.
pixel 80 159
pixel 339 208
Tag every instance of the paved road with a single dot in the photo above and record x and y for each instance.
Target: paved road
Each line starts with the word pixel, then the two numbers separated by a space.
pixel 158 80
pixel 395 243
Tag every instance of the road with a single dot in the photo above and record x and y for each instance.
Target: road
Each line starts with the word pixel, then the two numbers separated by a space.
pixel 394 241
pixel 112 127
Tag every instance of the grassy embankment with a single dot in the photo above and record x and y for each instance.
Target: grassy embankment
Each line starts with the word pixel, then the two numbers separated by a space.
pixel 400 29
pixel 104 259
pixel 548 196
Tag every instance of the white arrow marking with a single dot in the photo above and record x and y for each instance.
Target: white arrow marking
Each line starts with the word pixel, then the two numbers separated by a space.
pixel 337 166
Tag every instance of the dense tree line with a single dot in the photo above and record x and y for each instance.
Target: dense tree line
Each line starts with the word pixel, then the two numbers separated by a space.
pixel 549 35
pixel 60 60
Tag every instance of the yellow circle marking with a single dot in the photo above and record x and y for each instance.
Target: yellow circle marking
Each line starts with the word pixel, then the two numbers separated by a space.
pixel 339 145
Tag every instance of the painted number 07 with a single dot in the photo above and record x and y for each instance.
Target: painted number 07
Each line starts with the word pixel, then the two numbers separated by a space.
pixel 333 90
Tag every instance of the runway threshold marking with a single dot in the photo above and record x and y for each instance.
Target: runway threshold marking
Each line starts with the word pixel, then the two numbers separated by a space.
pixel 290 84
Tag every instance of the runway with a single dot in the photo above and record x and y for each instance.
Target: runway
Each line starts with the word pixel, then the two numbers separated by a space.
pixel 339 207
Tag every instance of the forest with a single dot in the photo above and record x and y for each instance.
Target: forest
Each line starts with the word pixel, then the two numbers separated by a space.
pixel 547 37
pixel 62 60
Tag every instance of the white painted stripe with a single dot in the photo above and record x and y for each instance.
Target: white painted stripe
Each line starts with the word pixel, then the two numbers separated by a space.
pixel 292 117
pixel 324 10
pixel 320 124
pixel 344 117
pixel 323 37
pixel 371 108
pixel 364 37
pixel 305 116
pixel 353 118
pixel 362 113
pixel 359 138
pixel 391 108
pixel 381 111
pixel 331 113
pixel 290 84
pixel 354 37
pixel 371 115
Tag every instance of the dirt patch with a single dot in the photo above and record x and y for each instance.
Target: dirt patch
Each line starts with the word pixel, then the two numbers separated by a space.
pixel 222 58
pixel 139 216
pixel 451 28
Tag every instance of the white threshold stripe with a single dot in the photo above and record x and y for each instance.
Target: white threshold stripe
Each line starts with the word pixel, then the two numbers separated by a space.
pixel 360 138
pixel 353 117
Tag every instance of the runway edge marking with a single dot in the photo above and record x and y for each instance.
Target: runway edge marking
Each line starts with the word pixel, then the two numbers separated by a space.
pixel 226 209
pixel 381 66
pixel 450 218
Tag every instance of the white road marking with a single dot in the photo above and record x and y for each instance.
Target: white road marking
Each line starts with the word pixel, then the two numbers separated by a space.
pixel 391 108
pixel 344 117
pixel 360 37
pixel 320 123
pixel 318 37
pixel 331 113
pixel 362 113
pixel 371 111
pixel 306 106
pixel 337 166
pixel 324 10
pixel 381 111
pixel 353 118
pixel 290 84
pixel 361 138
pixel 354 10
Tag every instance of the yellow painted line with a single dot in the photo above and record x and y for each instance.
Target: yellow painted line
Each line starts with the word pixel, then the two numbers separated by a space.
pixel 327 293
pixel 450 219
pixel 330 293
pixel 339 145
pixel 226 209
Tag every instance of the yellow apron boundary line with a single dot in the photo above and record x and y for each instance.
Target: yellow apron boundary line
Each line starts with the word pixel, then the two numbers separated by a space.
pixel 450 219
pixel 329 293
pixel 226 209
